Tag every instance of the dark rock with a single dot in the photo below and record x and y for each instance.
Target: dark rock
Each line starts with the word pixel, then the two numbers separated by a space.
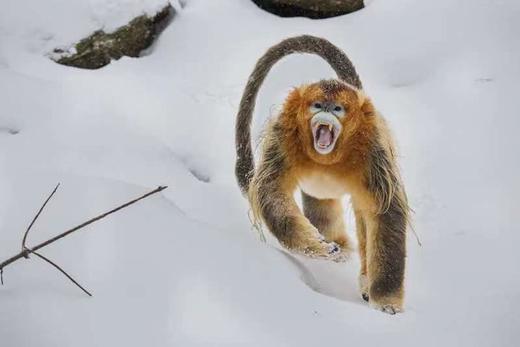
pixel 315 9
pixel 10 131
pixel 130 40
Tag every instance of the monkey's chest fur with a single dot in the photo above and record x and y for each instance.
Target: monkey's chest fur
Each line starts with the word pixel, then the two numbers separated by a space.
pixel 322 185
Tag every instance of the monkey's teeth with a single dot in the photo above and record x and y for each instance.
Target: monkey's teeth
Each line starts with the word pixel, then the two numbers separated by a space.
pixel 328 125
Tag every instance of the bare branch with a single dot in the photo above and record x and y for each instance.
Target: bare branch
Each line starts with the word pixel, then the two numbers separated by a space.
pixel 62 271
pixel 95 219
pixel 26 251
pixel 37 215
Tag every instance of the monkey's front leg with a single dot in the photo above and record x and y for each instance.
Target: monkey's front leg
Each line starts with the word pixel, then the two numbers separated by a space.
pixel 361 231
pixel 386 252
pixel 285 220
pixel 327 216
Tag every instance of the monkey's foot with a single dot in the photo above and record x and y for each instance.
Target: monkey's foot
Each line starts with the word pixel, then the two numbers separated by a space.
pixel 387 306
pixel 363 286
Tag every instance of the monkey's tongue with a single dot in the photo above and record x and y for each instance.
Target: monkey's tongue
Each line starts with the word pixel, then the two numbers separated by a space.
pixel 324 136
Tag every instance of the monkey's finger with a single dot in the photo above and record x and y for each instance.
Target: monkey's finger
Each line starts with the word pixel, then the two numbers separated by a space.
pixel 340 256
pixel 334 248
pixel 390 309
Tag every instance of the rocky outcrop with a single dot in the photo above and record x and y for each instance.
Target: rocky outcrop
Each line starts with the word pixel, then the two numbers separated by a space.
pixel 315 9
pixel 100 48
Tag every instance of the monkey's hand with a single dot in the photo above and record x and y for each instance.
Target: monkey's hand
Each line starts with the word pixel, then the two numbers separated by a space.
pixel 343 256
pixel 345 249
pixel 309 242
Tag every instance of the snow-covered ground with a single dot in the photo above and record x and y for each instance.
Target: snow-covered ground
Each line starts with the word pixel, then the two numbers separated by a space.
pixel 185 268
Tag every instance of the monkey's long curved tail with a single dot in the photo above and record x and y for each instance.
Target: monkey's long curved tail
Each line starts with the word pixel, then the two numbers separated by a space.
pixel 336 58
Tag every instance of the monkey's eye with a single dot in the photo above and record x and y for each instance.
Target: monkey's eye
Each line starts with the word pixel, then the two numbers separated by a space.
pixel 316 107
pixel 338 110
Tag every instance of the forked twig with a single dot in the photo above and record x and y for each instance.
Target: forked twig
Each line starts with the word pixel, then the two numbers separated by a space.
pixel 62 271
pixel 24 253
pixel 37 215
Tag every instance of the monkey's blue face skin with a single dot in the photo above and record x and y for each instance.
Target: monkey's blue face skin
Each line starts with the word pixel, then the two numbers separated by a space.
pixel 325 125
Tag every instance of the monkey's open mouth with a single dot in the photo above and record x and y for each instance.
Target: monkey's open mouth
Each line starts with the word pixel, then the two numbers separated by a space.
pixel 325 131
pixel 324 135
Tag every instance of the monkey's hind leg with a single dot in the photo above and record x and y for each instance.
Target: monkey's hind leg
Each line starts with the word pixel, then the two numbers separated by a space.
pixel 327 216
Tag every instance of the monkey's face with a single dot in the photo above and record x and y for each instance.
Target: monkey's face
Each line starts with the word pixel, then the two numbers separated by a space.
pixel 330 113
pixel 325 124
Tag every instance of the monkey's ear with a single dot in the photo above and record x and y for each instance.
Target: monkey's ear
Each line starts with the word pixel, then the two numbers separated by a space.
pixel 366 105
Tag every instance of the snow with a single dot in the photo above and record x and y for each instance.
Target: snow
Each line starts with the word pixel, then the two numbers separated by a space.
pixel 185 268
